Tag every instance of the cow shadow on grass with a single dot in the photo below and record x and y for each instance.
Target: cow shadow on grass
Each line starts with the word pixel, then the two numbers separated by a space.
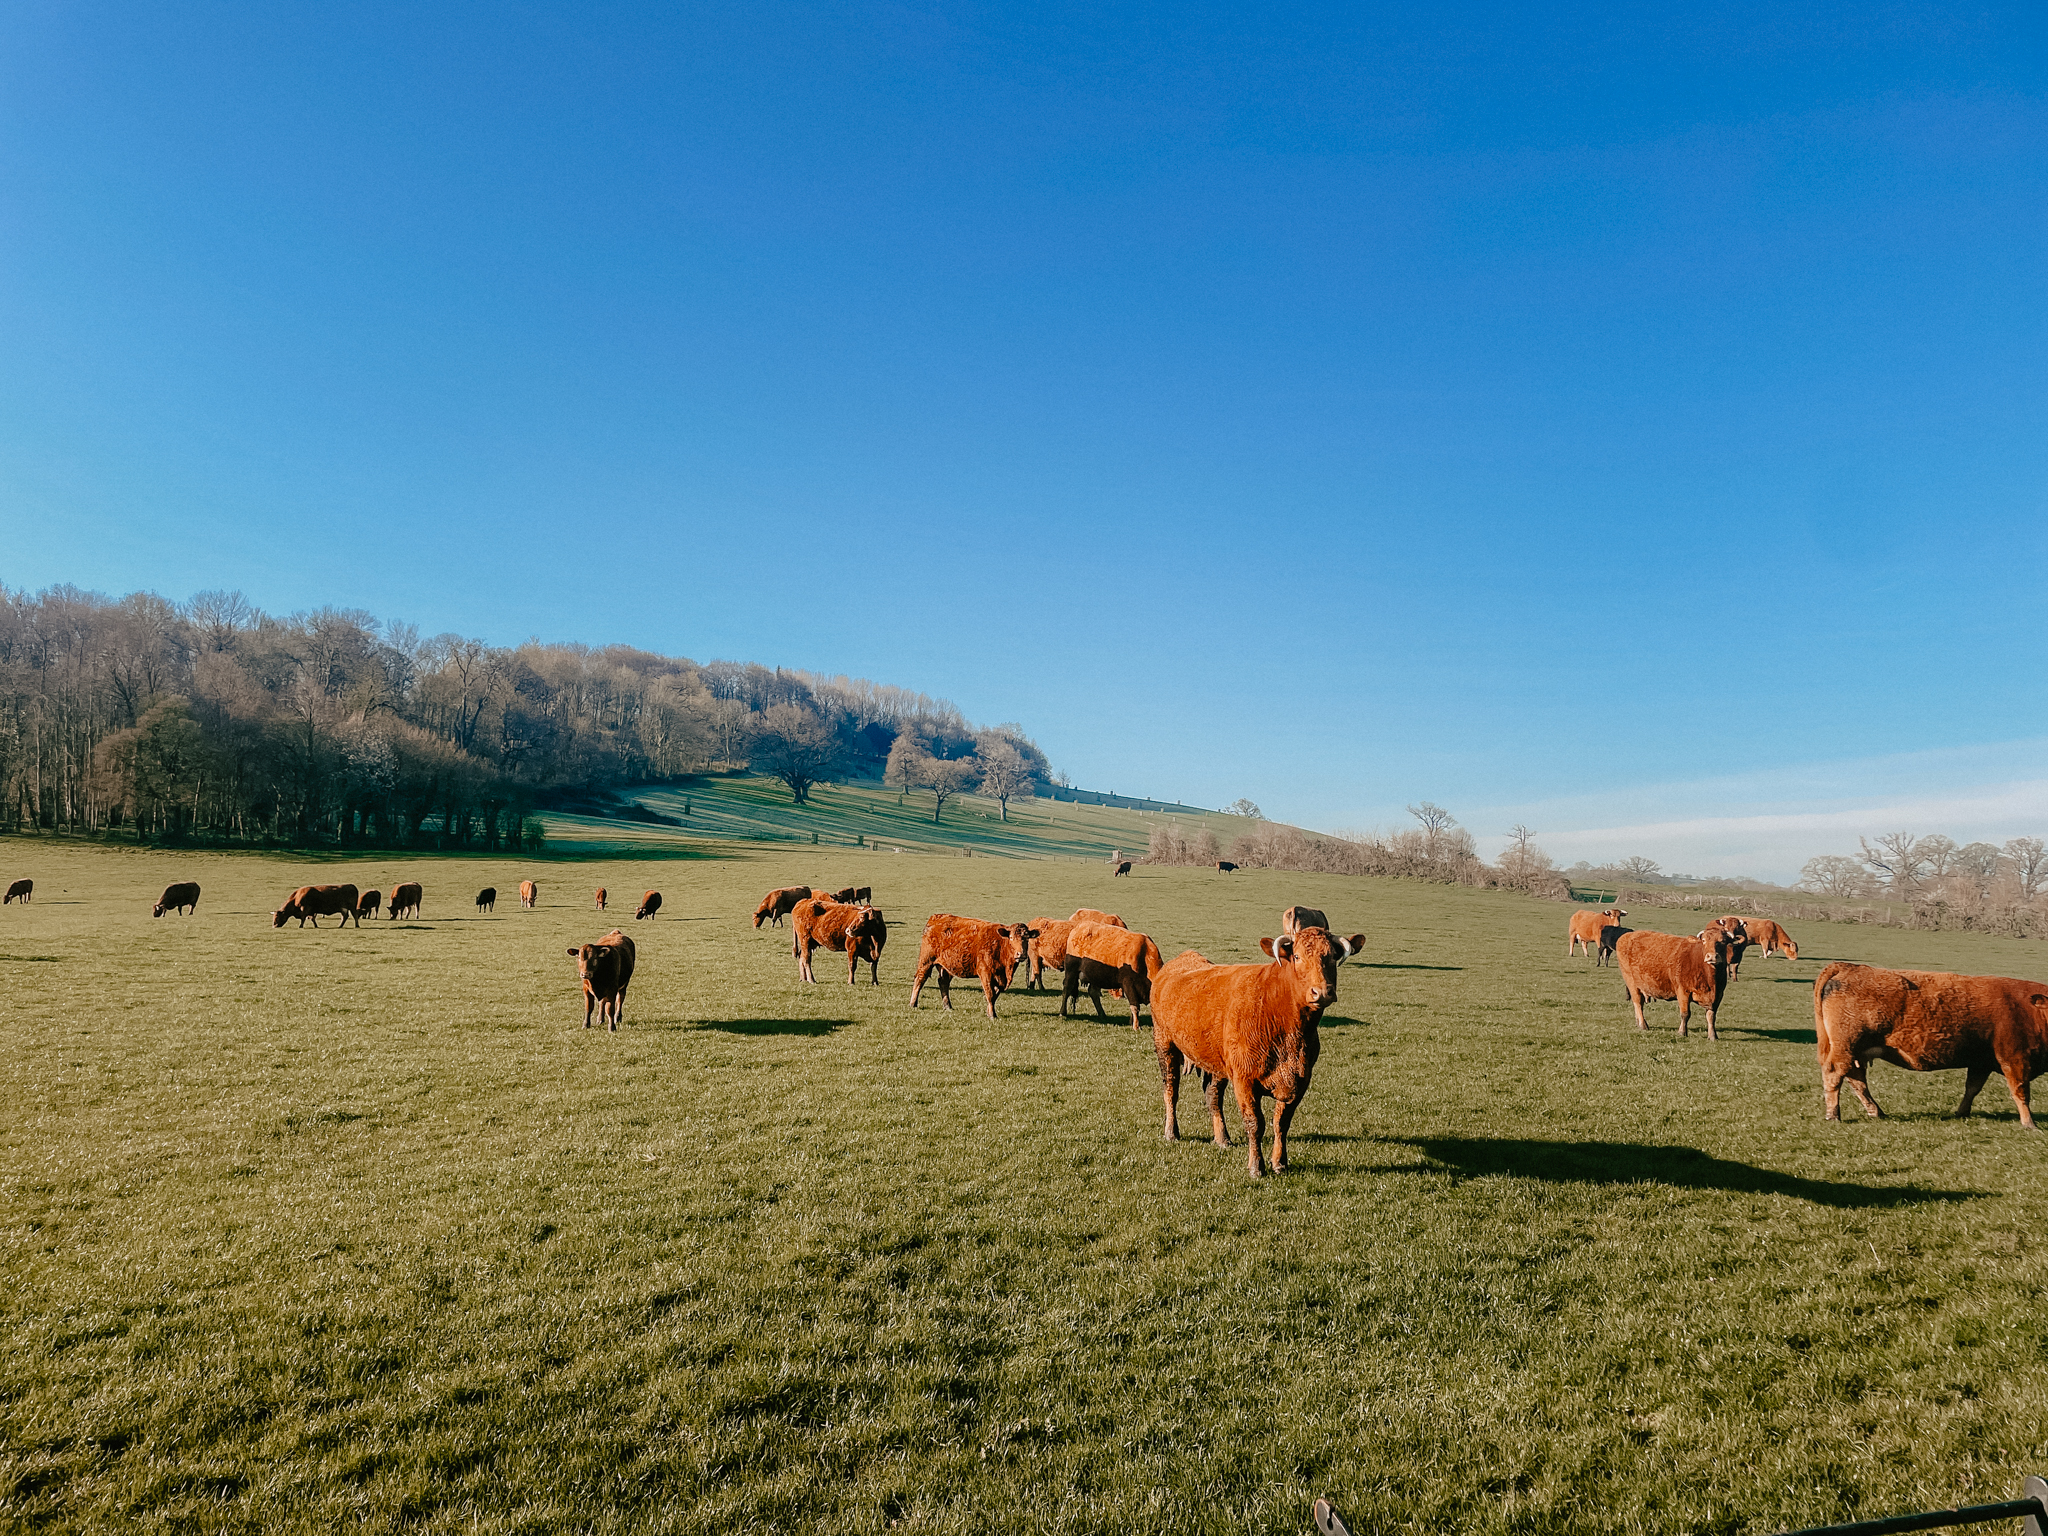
pixel 1622 1162
pixel 1390 965
pixel 1796 1036
pixel 810 1027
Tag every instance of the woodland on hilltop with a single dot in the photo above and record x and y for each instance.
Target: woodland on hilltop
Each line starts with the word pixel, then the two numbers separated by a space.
pixel 212 718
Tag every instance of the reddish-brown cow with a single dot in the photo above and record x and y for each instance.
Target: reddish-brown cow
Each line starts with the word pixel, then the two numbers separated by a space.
pixel 316 902
pixel 606 968
pixel 972 950
pixel 405 901
pixel 178 898
pixel 1048 947
pixel 1763 933
pixel 1294 919
pixel 776 905
pixel 601 898
pixel 23 890
pixel 1100 956
pixel 529 893
pixel 369 905
pixel 1584 929
pixel 1664 967
pixel 858 930
pixel 1090 915
pixel 1928 1021
pixel 649 905
pixel 1254 1027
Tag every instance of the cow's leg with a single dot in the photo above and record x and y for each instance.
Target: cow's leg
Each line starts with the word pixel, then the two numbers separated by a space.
pixel 1169 1083
pixel 1253 1115
pixel 589 1002
pixel 1684 1012
pixel 1131 996
pixel 946 988
pixel 805 956
pixel 1283 1116
pixel 1635 999
pixel 1858 1078
pixel 1712 1009
pixel 1095 997
pixel 1977 1078
pixel 2015 1069
pixel 924 969
pixel 1070 987
pixel 989 989
pixel 1212 1090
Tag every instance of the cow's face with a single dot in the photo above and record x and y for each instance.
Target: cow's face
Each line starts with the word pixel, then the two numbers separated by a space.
pixel 1016 943
pixel 1612 917
pixel 1312 957
pixel 1717 945
pixel 278 918
pixel 597 965
pixel 1788 949
pixel 158 910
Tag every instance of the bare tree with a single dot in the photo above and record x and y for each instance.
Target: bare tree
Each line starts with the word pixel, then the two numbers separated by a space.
pixel 1004 773
pixel 1636 867
pixel 1435 822
pixel 796 747
pixel 1832 875
pixel 1896 859
pixel 945 778
pixel 1940 853
pixel 732 725
pixel 2029 858
pixel 905 769
pixel 1243 807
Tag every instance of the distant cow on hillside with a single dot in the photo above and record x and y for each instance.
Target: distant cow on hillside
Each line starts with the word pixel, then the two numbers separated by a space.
pixel 776 905
pixel 1583 930
pixel 649 905
pixel 23 890
pixel 1254 1028
pixel 1928 1021
pixel 316 902
pixel 606 967
pixel 487 899
pixel 178 897
pixel 972 950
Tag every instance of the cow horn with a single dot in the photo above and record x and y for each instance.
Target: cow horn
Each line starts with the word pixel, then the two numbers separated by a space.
pixel 1345 946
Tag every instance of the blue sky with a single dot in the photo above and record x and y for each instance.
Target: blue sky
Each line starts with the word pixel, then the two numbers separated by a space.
pixel 1628 423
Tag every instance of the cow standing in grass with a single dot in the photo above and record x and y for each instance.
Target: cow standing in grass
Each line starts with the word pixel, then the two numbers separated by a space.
pixel 1763 933
pixel 179 897
pixel 649 905
pixel 487 899
pixel 405 900
pixel 972 950
pixel 1100 956
pixel 316 902
pixel 1928 1021
pixel 606 967
pixel 23 891
pixel 1294 919
pixel 857 930
pixel 600 898
pixel 1583 931
pixel 529 893
pixel 1667 967
pixel 778 903
pixel 369 905
pixel 1253 1027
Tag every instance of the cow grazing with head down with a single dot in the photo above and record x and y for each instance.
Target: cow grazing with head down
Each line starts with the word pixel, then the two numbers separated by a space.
pixel 316 902
pixel 529 893
pixel 1124 868
pixel 972 950
pixel 487 899
pixel 600 898
pixel 1583 931
pixel 854 928
pixel 1294 919
pixel 777 904
pixel 405 900
pixel 1253 1027
pixel 649 905
pixel 606 968
pixel 1928 1021
pixel 179 897
pixel 1667 967
pixel 1763 933
pixel 368 907
pixel 845 895
pixel 23 890
pixel 1100 956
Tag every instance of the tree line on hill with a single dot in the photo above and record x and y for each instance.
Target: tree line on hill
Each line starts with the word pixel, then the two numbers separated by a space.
pixel 213 718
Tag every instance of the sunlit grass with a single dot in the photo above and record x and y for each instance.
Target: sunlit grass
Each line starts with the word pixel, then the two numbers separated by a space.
pixel 304 1230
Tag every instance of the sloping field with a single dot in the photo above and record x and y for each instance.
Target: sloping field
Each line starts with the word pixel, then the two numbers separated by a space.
pixel 308 1230
pixel 754 808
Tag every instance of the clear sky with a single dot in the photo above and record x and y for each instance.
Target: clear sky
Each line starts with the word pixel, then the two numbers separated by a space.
pixel 1630 423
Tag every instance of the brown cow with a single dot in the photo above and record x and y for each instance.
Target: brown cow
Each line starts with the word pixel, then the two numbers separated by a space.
pixel 1664 967
pixel 606 968
pixel 854 928
pixel 1738 940
pixel 600 898
pixel 177 898
pixel 23 890
pixel 973 950
pixel 1124 868
pixel 367 907
pixel 316 902
pixel 1294 919
pixel 846 896
pixel 1928 1021
pixel 776 904
pixel 1099 956
pixel 529 893
pixel 487 899
pixel 1584 930
pixel 1764 933
pixel 649 905
pixel 1254 1027
pixel 1090 915
pixel 1048 947
pixel 405 900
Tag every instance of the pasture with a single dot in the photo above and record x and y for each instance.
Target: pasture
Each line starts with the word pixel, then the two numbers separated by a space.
pixel 311 1229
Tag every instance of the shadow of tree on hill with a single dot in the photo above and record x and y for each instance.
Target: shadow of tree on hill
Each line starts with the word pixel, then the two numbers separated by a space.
pixel 811 1027
pixel 1620 1162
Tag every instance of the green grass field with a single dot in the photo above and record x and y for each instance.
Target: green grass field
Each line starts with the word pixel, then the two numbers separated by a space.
pixel 317 1230
pixel 749 806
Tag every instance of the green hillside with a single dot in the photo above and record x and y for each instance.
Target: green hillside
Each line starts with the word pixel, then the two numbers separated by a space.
pixel 751 808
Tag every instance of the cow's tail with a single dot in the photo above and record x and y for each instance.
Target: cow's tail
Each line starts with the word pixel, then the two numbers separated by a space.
pixel 1831 980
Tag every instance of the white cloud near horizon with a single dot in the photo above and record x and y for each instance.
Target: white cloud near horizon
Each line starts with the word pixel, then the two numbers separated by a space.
pixel 1769 823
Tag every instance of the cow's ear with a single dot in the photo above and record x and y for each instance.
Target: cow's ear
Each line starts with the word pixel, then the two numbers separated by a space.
pixel 575 952
pixel 1277 948
pixel 1032 933
pixel 1355 945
